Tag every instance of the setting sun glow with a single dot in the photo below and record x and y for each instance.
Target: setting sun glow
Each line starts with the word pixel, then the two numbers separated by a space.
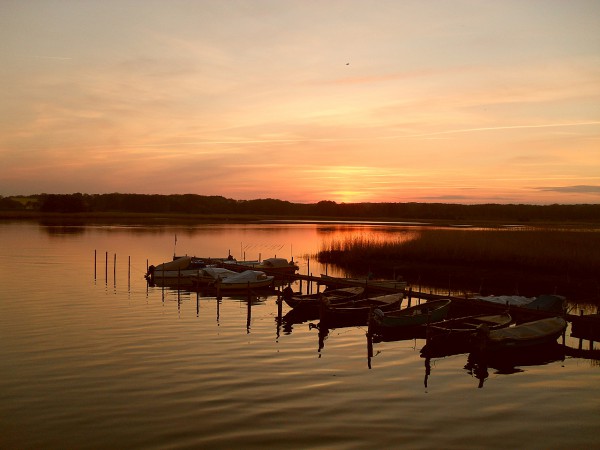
pixel 460 101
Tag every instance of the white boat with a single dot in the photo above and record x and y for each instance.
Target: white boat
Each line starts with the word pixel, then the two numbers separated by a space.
pixel 229 280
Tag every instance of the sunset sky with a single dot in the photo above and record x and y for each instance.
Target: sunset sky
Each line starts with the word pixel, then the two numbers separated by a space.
pixel 378 100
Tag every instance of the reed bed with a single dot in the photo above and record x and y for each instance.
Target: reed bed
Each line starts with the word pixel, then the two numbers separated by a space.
pixel 570 252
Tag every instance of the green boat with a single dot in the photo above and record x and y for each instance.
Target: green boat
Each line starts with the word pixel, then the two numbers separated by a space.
pixel 430 312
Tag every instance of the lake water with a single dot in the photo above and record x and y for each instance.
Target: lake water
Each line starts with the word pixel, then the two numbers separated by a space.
pixel 93 358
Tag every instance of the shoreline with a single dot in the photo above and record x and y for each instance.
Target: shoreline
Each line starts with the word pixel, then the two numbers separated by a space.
pixel 185 219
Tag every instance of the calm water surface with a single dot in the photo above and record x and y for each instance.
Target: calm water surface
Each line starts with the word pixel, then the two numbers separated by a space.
pixel 96 359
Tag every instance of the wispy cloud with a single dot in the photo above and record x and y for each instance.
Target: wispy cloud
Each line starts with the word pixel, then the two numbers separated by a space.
pixel 507 127
pixel 60 58
pixel 579 189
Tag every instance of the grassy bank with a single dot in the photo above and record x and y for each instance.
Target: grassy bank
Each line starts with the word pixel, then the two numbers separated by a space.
pixel 503 261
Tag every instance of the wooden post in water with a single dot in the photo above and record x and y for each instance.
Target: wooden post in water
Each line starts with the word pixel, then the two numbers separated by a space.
pixel 409 297
pixel 129 271
pixel 279 307
pixel 106 268
pixel 94 264
pixel 115 270
pixel 249 309
pixel 580 339
pixel 369 348
pixel 309 287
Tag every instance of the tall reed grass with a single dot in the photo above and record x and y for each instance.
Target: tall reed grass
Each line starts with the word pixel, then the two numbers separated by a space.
pixel 569 252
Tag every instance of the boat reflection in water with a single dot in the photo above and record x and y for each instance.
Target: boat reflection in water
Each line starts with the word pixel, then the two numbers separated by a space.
pixel 506 362
pixel 408 334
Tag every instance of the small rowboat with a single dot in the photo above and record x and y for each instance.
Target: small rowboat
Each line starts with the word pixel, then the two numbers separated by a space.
pixel 367 282
pixel 270 266
pixel 456 335
pixel 527 334
pixel 228 280
pixel 430 312
pixel 356 312
pixel 309 303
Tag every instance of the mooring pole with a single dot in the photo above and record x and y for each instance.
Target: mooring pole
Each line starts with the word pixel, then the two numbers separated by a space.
pixel 106 268
pixel 309 287
pixel 249 309
pixel 279 307
pixel 94 264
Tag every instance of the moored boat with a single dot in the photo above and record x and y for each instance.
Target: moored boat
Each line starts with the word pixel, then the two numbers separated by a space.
pixel 310 302
pixel 356 312
pixel 270 265
pixel 456 335
pixel 545 302
pixel 527 334
pixel 227 280
pixel 429 312
pixel 397 284
pixel 183 266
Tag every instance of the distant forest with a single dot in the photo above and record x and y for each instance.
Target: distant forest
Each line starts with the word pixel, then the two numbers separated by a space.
pixel 217 205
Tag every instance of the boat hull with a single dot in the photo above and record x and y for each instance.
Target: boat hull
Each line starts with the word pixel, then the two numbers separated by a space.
pixel 430 312
pixel 309 304
pixel 356 313
pixel 398 285
pixel 529 334
pixel 458 335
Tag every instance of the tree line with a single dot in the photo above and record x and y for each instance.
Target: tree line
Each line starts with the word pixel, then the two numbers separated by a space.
pixel 202 204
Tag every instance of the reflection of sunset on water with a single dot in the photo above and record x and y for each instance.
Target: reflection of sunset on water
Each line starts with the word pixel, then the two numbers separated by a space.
pixel 89 346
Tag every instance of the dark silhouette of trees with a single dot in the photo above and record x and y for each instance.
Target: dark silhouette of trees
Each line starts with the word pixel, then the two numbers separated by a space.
pixel 8 204
pixel 327 210
pixel 64 203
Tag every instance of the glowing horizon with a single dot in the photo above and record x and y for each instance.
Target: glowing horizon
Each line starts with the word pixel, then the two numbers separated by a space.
pixel 454 102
